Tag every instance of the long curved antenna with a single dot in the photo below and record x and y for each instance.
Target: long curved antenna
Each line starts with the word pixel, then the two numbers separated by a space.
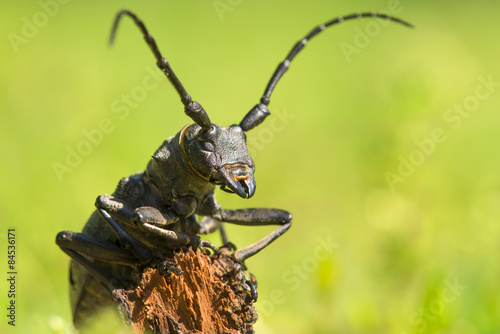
pixel 192 108
pixel 260 111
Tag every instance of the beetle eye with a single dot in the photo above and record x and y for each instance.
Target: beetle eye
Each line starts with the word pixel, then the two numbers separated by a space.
pixel 206 146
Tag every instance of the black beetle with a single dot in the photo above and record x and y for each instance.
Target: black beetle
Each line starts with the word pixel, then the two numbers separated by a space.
pixel 152 214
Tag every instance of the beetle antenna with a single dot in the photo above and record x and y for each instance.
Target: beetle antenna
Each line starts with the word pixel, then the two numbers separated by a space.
pixel 260 111
pixel 192 108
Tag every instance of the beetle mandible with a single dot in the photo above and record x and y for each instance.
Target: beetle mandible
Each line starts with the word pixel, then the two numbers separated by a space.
pixel 153 213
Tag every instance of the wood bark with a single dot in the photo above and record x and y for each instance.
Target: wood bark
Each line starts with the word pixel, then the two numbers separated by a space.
pixel 206 298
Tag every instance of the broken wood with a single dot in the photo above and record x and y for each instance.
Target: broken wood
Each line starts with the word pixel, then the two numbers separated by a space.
pixel 206 298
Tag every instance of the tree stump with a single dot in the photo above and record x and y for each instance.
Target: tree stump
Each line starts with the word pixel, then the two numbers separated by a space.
pixel 206 298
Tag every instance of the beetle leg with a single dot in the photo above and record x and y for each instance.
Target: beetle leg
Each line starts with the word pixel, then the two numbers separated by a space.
pixel 205 245
pixel 183 239
pixel 151 219
pixel 142 253
pixel 209 225
pixel 113 212
pixel 166 267
pixel 257 217
pixel 79 245
pixel 89 246
pixel 147 218
pixel 225 240
pixel 249 285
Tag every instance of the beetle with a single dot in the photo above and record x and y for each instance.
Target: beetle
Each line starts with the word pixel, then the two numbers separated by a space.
pixel 154 213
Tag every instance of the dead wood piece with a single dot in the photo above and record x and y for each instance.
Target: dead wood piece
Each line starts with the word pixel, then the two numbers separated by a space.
pixel 206 298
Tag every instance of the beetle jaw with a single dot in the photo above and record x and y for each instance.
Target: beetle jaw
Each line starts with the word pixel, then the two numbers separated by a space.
pixel 239 178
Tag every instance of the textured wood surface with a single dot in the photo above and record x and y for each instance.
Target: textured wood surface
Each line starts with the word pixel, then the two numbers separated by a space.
pixel 206 298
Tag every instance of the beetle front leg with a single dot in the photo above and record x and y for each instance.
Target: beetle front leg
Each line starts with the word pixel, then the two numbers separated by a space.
pixel 114 210
pixel 257 217
pixel 151 220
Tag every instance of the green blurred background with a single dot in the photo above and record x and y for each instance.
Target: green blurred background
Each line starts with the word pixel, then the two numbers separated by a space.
pixel 364 255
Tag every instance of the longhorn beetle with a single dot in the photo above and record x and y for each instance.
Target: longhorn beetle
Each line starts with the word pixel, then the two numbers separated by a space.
pixel 154 213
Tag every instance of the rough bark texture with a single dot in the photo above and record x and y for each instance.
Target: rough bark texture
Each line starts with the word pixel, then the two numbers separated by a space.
pixel 206 298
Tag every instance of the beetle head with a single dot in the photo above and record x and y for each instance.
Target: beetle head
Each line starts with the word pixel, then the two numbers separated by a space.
pixel 220 156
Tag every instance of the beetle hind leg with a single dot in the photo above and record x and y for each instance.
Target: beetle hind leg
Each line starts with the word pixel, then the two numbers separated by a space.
pixel 79 246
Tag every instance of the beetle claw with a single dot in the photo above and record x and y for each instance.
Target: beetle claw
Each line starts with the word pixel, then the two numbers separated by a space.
pixel 205 245
pixel 232 247
pixel 251 291
pixel 167 268
pixel 249 286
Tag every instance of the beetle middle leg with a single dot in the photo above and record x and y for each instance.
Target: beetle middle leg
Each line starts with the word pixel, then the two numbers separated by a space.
pixel 251 217
pixel 257 217
pixel 209 225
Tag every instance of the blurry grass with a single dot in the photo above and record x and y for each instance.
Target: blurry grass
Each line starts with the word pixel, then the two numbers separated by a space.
pixel 396 250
